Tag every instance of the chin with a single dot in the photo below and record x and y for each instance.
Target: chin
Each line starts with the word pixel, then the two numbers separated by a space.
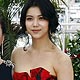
pixel 36 37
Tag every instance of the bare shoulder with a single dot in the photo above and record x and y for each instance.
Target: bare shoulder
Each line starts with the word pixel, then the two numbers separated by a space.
pixel 64 67
pixel 16 52
pixel 60 58
pixel 63 58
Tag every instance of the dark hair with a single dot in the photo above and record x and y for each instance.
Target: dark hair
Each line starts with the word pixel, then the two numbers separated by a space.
pixel 2 23
pixel 47 9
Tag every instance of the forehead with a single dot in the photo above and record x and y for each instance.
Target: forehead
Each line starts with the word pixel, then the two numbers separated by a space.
pixel 33 11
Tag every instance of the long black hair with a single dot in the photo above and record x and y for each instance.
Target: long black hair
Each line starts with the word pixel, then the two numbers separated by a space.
pixel 2 23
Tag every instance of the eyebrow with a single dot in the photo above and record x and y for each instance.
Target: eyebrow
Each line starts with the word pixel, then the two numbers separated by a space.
pixel 28 16
pixel 32 16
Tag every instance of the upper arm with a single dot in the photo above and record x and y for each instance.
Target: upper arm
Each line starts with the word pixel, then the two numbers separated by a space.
pixel 12 55
pixel 65 71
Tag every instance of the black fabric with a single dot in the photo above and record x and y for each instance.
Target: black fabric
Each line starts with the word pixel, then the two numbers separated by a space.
pixel 5 72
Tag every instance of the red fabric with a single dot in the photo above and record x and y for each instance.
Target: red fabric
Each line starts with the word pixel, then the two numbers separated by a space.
pixel 35 74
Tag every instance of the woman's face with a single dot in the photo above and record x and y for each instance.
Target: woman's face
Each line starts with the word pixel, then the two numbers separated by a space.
pixel 1 36
pixel 35 23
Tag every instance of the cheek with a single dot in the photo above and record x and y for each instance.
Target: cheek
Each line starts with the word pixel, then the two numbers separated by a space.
pixel 28 24
pixel 28 27
pixel 45 25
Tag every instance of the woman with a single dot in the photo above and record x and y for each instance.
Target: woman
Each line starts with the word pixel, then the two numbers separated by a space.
pixel 5 66
pixel 42 60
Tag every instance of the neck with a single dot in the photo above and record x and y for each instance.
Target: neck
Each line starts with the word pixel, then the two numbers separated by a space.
pixel 41 44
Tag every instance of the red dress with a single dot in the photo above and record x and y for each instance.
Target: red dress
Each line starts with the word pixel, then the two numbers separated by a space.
pixel 35 74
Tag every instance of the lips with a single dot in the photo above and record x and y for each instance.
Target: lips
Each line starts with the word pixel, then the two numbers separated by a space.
pixel 36 31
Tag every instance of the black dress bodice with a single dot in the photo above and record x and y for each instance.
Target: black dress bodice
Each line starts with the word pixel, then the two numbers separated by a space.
pixel 6 71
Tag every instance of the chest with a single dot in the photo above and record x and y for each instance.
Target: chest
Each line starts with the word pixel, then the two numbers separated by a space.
pixel 27 62
pixel 36 59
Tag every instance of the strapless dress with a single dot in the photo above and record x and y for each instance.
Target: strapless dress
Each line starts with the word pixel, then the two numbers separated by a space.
pixel 35 74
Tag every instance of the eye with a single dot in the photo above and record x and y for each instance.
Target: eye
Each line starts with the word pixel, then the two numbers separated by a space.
pixel 41 18
pixel 29 18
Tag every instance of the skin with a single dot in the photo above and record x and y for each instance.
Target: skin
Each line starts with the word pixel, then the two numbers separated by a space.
pixel 1 35
pixel 42 53
pixel 1 41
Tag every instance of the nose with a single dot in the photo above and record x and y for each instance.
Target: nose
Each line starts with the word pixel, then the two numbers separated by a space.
pixel 35 23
